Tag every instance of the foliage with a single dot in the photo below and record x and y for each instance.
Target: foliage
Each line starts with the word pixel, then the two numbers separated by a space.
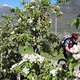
pixel 34 22
pixel 31 29
pixel 34 66
pixel 76 21
pixel 8 45
pixel 62 1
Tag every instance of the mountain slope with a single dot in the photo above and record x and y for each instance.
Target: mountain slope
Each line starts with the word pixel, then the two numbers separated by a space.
pixel 4 9
pixel 70 10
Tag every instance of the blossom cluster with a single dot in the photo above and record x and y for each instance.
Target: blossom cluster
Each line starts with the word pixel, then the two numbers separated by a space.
pixel 76 73
pixel 25 70
pixel 33 58
pixel 55 71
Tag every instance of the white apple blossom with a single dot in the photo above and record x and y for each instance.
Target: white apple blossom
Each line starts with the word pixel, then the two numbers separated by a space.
pixel 30 21
pixel 61 12
pixel 75 79
pixel 55 64
pixel 12 32
pixel 19 20
pixel 40 0
pixel 76 73
pixel 25 56
pixel 45 26
pixel 15 28
pixel 25 70
pixel 32 7
pixel 26 4
pixel 76 56
pixel 4 70
pixel 33 28
pixel 21 62
pixel 0 29
pixel 33 78
pixel 13 66
pixel 40 58
pixel 34 38
pixel 50 21
pixel 54 11
pixel 79 75
pixel 24 9
pixel 58 6
pixel 60 69
pixel 53 72
pixel 32 58
pixel 65 78
pixel 32 0
pixel 39 22
pixel 49 64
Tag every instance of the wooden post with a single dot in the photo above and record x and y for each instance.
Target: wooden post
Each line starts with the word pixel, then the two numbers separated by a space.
pixel 1 62
pixel 55 25
pixel 18 76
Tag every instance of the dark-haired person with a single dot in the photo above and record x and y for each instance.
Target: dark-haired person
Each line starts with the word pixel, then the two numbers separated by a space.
pixel 69 43
pixel 68 53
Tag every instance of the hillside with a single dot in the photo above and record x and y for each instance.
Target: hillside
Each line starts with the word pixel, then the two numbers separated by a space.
pixel 70 10
pixel 4 9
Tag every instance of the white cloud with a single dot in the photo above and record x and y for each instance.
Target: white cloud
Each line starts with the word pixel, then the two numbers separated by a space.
pixel 5 5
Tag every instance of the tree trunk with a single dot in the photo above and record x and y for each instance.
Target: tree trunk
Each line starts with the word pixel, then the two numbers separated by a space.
pixel 18 76
pixel 1 62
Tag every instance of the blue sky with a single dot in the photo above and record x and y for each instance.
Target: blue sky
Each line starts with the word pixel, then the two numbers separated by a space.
pixel 16 2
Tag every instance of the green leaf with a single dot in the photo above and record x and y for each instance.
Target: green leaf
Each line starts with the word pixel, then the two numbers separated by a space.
pixel 23 2
pixel 54 78
pixel 75 22
pixel 62 1
pixel 72 64
pixel 30 76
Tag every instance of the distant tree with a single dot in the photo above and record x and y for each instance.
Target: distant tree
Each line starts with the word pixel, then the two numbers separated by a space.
pixel 76 22
pixel 62 1
pixel 9 47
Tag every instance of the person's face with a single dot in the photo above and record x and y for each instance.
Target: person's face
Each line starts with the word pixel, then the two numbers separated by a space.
pixel 74 39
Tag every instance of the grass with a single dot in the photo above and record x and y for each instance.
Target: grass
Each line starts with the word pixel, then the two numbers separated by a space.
pixel 46 55
pixel 26 51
